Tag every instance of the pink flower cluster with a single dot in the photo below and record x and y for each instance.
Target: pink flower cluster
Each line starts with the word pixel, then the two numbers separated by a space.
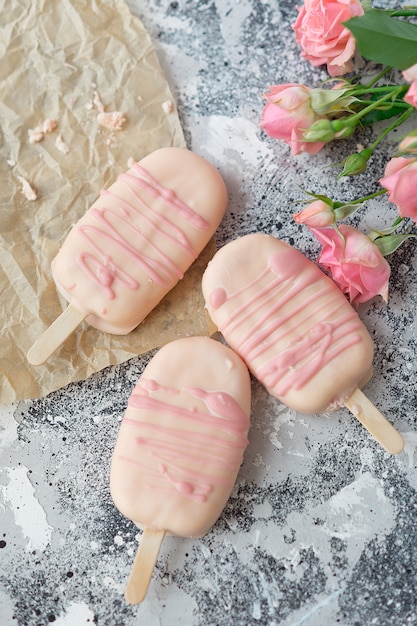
pixel 354 263
pixel 308 118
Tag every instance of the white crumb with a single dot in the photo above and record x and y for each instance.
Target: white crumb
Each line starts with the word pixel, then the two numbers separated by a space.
pixel 113 120
pixel 28 191
pixel 38 133
pixel 49 125
pixel 167 106
pixel 35 134
pixel 61 145
pixel 98 103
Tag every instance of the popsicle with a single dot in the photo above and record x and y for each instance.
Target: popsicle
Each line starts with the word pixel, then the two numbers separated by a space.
pixel 295 330
pixel 180 446
pixel 134 244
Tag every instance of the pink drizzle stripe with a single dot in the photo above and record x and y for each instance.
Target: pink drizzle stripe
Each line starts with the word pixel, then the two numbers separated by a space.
pixel 112 225
pixel 295 365
pixel 153 187
pixel 190 462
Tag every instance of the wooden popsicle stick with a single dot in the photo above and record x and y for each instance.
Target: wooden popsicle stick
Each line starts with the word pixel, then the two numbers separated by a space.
pixel 143 565
pixel 374 422
pixel 55 335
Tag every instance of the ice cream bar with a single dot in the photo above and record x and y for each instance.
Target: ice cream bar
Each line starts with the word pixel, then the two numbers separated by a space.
pixel 294 328
pixel 181 443
pixel 135 243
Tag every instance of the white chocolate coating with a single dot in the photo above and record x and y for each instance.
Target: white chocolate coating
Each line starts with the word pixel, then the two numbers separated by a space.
pixel 289 322
pixel 182 439
pixel 139 237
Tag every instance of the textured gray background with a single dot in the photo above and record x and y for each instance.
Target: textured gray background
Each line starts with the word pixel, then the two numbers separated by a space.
pixel 320 529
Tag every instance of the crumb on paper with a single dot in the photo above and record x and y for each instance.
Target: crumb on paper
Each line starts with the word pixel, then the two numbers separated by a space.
pixel 49 125
pixel 61 145
pixel 38 133
pixel 113 120
pixel 11 162
pixel 98 103
pixel 167 106
pixel 130 162
pixel 28 191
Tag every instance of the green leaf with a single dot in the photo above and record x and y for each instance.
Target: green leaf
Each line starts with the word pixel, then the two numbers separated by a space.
pixel 387 109
pixel 377 115
pixel 320 196
pixel 324 101
pixel 385 39
pixel 375 234
pixel 343 211
pixel 388 245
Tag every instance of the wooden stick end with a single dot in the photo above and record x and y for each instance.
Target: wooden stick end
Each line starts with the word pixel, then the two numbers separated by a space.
pixel 143 565
pixel 375 423
pixel 55 335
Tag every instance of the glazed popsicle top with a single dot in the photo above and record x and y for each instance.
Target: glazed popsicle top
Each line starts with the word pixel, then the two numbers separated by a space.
pixel 139 237
pixel 182 438
pixel 289 322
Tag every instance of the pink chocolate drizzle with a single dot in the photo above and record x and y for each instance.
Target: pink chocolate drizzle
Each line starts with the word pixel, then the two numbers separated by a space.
pixel 273 315
pixel 179 451
pixel 112 226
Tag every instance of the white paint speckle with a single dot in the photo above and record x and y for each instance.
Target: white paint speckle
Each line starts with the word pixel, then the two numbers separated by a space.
pixel 256 611
pixel 8 426
pixel 410 444
pixel 19 496
pixel 75 613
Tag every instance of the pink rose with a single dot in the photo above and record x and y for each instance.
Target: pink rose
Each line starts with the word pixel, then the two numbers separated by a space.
pixel 409 143
pixel 317 214
pixel 288 114
pixel 411 95
pixel 401 182
pixel 410 74
pixel 355 263
pixel 323 38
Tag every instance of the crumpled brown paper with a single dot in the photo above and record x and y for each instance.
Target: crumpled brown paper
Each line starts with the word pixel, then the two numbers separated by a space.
pixel 67 61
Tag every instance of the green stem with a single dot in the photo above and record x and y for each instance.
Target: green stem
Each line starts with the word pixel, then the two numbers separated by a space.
pixel 397 221
pixel 391 127
pixel 387 88
pixel 340 124
pixel 399 104
pixel 360 200
pixel 380 192
pixel 378 77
